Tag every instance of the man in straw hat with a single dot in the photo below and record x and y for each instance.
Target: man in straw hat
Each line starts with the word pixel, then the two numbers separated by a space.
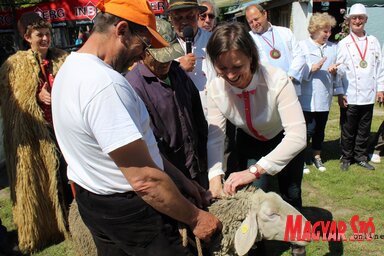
pixel 361 82
pixel 185 14
pixel 182 14
pixel 103 129
pixel 178 120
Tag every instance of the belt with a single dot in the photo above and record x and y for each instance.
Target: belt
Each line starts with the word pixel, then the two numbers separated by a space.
pixel 79 189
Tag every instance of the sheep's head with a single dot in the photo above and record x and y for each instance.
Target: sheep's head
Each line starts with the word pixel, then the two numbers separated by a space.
pixel 266 219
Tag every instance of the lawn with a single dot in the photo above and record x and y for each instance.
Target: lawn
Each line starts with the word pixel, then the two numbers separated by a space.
pixel 330 195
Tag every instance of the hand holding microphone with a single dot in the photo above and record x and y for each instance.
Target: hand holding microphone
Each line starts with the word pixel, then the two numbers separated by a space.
pixel 188 61
pixel 188 37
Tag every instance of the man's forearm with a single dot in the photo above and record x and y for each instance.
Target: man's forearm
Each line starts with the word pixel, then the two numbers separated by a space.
pixel 158 190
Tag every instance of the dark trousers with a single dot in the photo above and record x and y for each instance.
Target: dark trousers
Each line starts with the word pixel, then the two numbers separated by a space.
pixel 288 180
pixel 377 144
pixel 316 122
pixel 123 224
pixel 355 124
pixel 230 163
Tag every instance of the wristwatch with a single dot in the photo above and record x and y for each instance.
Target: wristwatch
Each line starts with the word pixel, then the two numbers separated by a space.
pixel 253 169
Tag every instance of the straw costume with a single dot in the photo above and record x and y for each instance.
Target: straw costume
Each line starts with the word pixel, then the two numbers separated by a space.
pixel 31 154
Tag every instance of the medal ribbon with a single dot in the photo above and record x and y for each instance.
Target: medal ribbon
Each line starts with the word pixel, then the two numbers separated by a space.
pixel 362 56
pixel 267 41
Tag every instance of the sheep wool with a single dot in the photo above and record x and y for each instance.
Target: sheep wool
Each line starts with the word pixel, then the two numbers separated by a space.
pixel 31 154
pixel 231 212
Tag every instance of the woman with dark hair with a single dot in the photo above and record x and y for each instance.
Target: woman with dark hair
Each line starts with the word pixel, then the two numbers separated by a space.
pixel 260 100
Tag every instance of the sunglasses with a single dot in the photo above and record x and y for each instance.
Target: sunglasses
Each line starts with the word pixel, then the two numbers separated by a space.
pixel 203 16
pixel 146 44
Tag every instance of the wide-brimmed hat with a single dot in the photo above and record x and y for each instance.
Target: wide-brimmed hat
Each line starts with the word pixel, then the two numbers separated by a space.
pixel 171 52
pixel 357 9
pixel 184 4
pixel 137 11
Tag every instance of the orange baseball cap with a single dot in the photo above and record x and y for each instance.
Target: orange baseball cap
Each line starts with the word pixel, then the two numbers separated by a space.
pixel 137 11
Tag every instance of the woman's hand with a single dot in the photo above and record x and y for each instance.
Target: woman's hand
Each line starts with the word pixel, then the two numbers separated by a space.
pixel 216 187
pixel 317 66
pixel 333 69
pixel 44 95
pixel 237 180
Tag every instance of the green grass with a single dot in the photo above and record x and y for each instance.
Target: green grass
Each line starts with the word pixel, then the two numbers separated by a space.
pixel 329 195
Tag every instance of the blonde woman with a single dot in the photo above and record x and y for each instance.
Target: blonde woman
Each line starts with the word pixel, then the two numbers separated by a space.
pixel 318 81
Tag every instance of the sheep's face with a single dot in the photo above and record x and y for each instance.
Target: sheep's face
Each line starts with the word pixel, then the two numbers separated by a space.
pixel 272 217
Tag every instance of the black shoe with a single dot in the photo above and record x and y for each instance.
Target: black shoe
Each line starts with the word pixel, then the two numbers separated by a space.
pixel 7 246
pixel 366 165
pixel 297 250
pixel 344 166
pixel 319 164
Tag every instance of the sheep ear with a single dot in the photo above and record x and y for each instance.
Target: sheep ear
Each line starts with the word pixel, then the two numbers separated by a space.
pixel 246 234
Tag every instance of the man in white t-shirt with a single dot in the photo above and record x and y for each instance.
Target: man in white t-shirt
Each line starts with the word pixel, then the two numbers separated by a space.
pixel 103 129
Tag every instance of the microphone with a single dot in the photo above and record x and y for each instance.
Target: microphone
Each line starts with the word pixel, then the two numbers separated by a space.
pixel 188 36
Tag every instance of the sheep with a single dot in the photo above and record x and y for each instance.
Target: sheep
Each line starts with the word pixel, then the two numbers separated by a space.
pixel 250 216
pixel 247 217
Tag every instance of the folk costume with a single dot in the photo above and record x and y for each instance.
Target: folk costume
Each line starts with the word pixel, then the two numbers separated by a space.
pixel 32 157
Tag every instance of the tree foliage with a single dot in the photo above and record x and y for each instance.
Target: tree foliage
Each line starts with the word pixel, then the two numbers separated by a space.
pixel 344 30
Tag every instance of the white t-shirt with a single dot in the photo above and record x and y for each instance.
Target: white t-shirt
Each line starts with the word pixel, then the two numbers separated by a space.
pixel 96 111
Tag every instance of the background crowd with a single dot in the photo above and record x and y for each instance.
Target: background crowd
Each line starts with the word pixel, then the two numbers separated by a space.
pixel 150 112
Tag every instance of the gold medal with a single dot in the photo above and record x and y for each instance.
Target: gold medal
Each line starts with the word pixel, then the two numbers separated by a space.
pixel 363 64
pixel 275 54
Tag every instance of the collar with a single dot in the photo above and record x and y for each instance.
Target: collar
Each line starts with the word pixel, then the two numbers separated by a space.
pixel 359 38
pixel 251 87
pixel 317 44
pixel 269 29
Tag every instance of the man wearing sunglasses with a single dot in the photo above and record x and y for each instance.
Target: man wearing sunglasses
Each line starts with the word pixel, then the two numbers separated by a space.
pixel 103 128
pixel 207 19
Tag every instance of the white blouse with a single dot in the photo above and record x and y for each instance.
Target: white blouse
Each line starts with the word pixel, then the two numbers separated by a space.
pixel 274 107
